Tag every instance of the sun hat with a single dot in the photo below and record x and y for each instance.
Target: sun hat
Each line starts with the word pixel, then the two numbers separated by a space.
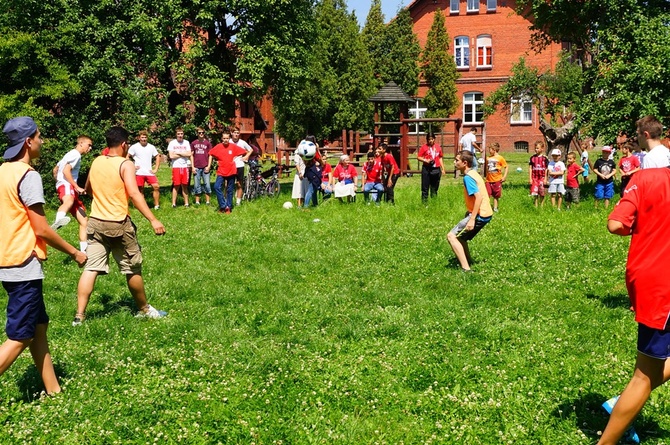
pixel 17 130
pixel 555 152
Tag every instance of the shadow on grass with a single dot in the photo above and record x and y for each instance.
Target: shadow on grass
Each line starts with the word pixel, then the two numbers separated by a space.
pixel 30 384
pixel 109 306
pixel 612 301
pixel 591 418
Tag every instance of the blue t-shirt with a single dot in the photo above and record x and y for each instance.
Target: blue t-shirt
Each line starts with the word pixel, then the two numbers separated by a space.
pixel 470 185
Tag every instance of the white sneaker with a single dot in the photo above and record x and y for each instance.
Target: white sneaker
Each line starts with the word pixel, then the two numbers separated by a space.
pixel 151 312
pixel 157 207
pixel 64 221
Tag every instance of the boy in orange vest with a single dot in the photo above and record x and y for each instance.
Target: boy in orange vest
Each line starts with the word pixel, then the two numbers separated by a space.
pixel 23 239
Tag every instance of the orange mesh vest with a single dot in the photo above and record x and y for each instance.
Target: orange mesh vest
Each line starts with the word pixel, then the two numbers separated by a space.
pixel 110 199
pixel 485 209
pixel 18 242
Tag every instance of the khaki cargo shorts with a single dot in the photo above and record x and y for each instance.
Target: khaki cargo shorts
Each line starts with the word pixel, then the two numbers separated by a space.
pixel 119 238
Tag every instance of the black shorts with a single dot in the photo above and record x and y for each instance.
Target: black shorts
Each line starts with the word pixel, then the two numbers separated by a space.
pixel 239 177
pixel 467 235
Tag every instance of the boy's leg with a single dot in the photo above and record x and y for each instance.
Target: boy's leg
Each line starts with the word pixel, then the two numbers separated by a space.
pixel 83 236
pixel 460 249
pixel 39 349
pixel 66 205
pixel 84 290
pixel 9 351
pixel 649 374
pixel 218 190
pixel 184 193
pixel 174 195
pixel 560 200
pixel 136 287
pixel 157 194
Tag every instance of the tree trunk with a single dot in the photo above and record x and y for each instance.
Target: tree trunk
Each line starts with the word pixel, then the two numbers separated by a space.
pixel 558 137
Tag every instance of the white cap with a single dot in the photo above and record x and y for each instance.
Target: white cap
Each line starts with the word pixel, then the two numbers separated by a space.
pixel 555 152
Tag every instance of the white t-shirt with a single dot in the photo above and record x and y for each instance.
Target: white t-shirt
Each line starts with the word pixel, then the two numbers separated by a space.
pixel 73 158
pixel 585 157
pixel 238 159
pixel 657 157
pixel 142 156
pixel 556 167
pixel 179 147
pixel 467 141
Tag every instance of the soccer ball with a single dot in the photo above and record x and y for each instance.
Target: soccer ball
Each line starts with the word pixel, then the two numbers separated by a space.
pixel 288 205
pixel 306 150
pixel 519 169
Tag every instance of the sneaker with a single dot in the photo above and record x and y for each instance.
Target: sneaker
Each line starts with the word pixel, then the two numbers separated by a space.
pixel 78 319
pixel 151 312
pixel 186 205
pixel 630 435
pixel 157 207
pixel 227 210
pixel 174 206
pixel 495 209
pixel 466 270
pixel 64 221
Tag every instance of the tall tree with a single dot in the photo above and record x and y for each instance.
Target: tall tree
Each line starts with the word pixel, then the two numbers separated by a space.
pixel 401 57
pixel 338 80
pixel 439 70
pixel 622 46
pixel 374 37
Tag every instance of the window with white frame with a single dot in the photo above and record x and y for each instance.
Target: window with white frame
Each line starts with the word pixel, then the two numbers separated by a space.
pixel 491 5
pixel 484 51
pixel 521 111
pixel 454 6
pixel 418 111
pixel 473 104
pixel 462 52
pixel 473 5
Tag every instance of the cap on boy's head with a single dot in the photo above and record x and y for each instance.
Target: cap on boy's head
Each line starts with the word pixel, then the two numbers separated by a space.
pixel 607 148
pixel 555 152
pixel 17 130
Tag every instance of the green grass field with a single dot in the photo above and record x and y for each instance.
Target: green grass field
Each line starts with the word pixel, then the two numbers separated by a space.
pixel 357 329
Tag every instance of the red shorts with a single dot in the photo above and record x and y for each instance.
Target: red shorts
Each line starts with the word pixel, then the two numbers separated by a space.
pixel 180 176
pixel 537 187
pixel 68 190
pixel 146 179
pixel 494 189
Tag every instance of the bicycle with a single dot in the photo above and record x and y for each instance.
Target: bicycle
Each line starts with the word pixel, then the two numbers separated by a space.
pixel 255 184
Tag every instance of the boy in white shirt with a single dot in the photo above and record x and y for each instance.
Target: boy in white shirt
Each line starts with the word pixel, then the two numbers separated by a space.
pixel 556 173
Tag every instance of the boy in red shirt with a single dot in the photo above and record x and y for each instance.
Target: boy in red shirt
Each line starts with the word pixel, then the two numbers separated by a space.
pixel 537 174
pixel 628 164
pixel 225 153
pixel 642 213
pixel 572 183
pixel 372 176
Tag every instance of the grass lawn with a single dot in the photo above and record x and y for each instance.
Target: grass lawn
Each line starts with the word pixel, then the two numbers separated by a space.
pixel 356 329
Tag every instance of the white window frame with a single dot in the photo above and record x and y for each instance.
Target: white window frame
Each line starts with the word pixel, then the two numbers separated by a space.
pixel 491 5
pixel 454 6
pixel 418 111
pixel 521 110
pixel 462 44
pixel 473 5
pixel 472 106
pixel 485 44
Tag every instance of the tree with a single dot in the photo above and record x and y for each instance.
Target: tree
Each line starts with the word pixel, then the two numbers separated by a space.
pixel 374 37
pixel 402 54
pixel 556 94
pixel 439 70
pixel 80 66
pixel 622 47
pixel 337 82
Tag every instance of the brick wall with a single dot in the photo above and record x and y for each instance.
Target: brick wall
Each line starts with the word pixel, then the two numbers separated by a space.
pixel 510 36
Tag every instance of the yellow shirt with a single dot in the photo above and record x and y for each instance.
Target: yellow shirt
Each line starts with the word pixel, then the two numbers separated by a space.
pixel 110 199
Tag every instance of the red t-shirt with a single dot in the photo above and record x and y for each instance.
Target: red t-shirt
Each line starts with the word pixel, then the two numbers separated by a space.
pixel 347 176
pixel 644 208
pixel 327 168
pixel 225 156
pixel 629 163
pixel 573 171
pixel 434 153
pixel 389 162
pixel 538 166
pixel 373 170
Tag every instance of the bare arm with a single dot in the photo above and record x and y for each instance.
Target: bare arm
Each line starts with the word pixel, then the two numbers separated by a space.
pixel 43 230
pixel 130 183
pixel 67 174
pixel 617 228
pixel 475 211
pixel 158 164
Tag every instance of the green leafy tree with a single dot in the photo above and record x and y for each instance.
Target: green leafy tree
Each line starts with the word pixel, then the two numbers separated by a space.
pixel 622 47
pixel 337 82
pixel 439 70
pixel 374 37
pixel 401 58
pixel 556 94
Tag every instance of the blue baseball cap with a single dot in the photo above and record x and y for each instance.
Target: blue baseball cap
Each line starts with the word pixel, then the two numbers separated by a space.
pixel 17 130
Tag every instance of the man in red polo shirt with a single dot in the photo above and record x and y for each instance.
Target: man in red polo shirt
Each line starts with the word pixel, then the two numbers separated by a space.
pixel 225 153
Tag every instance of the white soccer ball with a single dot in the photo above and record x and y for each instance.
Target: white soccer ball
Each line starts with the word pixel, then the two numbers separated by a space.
pixel 288 205
pixel 519 169
pixel 306 150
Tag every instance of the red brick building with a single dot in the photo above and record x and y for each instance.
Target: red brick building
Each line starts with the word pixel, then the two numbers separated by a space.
pixel 487 38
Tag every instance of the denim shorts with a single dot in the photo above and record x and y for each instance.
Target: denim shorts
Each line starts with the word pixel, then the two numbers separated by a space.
pixel 604 191
pixel 653 342
pixel 25 309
